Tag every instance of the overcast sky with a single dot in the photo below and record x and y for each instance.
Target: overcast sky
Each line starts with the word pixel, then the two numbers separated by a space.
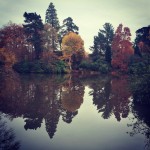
pixel 88 15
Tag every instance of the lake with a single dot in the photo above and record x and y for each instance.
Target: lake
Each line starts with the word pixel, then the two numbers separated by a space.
pixel 71 112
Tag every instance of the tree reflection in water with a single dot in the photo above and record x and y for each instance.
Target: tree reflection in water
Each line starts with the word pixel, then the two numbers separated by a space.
pixel 72 93
pixel 111 96
pixel 37 98
pixel 7 137
pixel 141 123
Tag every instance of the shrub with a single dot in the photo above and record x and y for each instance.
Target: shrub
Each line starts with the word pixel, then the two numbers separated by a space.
pixel 140 80
pixel 85 65
pixel 40 67
pixel 100 66
pixel 59 67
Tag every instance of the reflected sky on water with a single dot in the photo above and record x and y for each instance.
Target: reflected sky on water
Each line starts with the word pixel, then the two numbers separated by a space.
pixel 72 112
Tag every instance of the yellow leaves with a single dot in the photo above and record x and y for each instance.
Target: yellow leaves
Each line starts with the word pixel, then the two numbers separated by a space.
pixel 71 43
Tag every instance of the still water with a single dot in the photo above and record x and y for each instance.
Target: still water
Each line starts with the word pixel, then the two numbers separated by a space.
pixel 42 112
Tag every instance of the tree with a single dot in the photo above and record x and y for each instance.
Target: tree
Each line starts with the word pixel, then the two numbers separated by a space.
pixel 51 17
pixel 121 48
pixel 68 26
pixel 72 45
pixel 142 40
pixel 111 96
pixel 33 28
pixel 13 40
pixel 49 38
pixel 102 43
pixel 7 57
pixel 96 52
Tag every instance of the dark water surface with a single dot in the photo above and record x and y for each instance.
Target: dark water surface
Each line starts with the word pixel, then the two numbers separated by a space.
pixel 42 112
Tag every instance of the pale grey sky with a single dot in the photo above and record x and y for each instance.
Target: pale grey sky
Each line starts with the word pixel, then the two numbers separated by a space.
pixel 88 15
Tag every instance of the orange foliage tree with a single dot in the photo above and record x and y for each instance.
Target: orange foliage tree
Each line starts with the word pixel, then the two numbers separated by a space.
pixel 121 48
pixel 14 40
pixel 72 46
pixel 8 57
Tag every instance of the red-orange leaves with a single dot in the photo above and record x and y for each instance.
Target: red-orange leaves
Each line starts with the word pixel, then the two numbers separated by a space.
pixel 7 57
pixel 14 40
pixel 121 48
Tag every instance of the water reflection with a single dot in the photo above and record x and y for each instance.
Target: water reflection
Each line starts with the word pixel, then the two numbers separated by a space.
pixel 111 96
pixel 38 99
pixel 141 123
pixel 41 98
pixel 7 137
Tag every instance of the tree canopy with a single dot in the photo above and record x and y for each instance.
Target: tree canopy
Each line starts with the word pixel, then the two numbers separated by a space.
pixel 33 26
pixel 51 16
pixel 121 48
pixel 72 45
pixel 102 43
pixel 68 26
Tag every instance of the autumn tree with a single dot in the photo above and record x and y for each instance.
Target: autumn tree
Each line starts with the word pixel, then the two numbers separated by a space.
pixel 52 19
pixel 72 46
pixel 7 57
pixel 33 27
pixel 49 38
pixel 13 39
pixel 68 26
pixel 49 44
pixel 51 16
pixel 121 48
pixel 102 43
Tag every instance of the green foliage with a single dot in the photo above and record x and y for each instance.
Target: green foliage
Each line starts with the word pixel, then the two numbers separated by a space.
pixel 140 80
pixel 142 35
pixel 33 27
pixel 140 67
pixel 51 16
pixel 68 26
pixel 140 87
pixel 85 65
pixel 102 43
pixel 59 67
pixel 100 66
pixel 40 67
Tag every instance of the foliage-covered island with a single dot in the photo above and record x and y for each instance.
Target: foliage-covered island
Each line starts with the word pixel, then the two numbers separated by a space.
pixel 37 47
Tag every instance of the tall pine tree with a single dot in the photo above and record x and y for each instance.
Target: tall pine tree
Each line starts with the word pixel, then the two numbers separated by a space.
pixel 102 43
pixel 51 16
pixel 33 27
pixel 68 26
